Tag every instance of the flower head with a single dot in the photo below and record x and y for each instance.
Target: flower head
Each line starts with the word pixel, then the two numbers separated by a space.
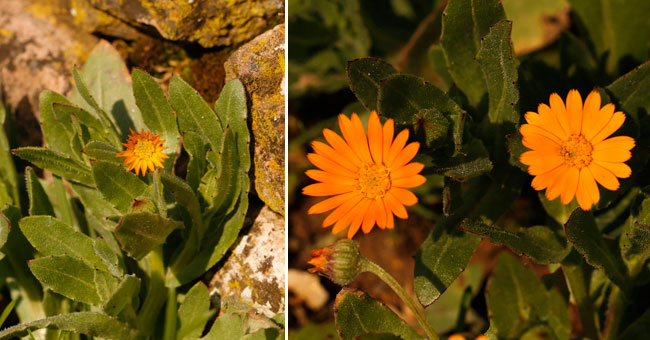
pixel 143 152
pixel 570 149
pixel 340 262
pixel 367 175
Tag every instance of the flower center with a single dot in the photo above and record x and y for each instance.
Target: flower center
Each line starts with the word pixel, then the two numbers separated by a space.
pixel 144 148
pixel 373 181
pixel 576 151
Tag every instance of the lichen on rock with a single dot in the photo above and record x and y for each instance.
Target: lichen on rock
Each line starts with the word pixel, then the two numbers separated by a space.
pixel 254 272
pixel 259 64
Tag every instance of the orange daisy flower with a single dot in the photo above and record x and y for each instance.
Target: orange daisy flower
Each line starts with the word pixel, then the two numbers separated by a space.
pixel 570 149
pixel 367 175
pixel 143 152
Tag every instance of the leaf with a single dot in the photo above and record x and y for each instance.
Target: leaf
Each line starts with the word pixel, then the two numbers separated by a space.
pixel 496 60
pixel 220 189
pixel 402 96
pixel 89 323
pixel 231 108
pixel 364 75
pixel 437 58
pixel 123 295
pixel 108 256
pixel 582 232
pixel 464 24
pixel 515 149
pixel 58 130
pixel 635 246
pixel 156 112
pixel 105 284
pixel 52 237
pixel 609 23
pixel 57 163
pixel 560 212
pixel 196 149
pixel 630 91
pixel 8 175
pixel 4 232
pixel 186 197
pixel 194 312
pixel 39 203
pixel 540 243
pixel 108 82
pixel 431 126
pixel 443 255
pixel 94 201
pixel 227 326
pixel 517 300
pixel 357 314
pixel 99 150
pixel 141 232
pixel 473 160
pixel 194 114
pixel 116 185
pixel 95 128
pixel 67 276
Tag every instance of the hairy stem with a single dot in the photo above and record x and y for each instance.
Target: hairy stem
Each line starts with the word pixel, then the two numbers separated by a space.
pixel 156 295
pixel 576 281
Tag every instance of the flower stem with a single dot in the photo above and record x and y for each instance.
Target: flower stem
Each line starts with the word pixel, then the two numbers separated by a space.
pixel 575 279
pixel 170 315
pixel 615 311
pixel 156 295
pixel 415 307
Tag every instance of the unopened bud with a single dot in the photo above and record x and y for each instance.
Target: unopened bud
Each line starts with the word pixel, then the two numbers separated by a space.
pixel 340 262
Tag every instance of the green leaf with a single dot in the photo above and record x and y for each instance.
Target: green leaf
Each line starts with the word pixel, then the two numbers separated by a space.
pixel 515 149
pixel 58 130
pixel 231 108
pixel 39 203
pixel 8 175
pixel 89 323
pixel 437 58
pixel 4 232
pixel 196 149
pixel 95 128
pixel 67 276
pixel 99 150
pixel 540 243
pixel 227 326
pixel 105 284
pixel 443 255
pixel 108 82
pixel 186 197
pixel 464 24
pixel 431 126
pixel 108 256
pixel 221 188
pixel 194 312
pixel 357 314
pixel 116 185
pixel 556 209
pixel 473 160
pixel 364 75
pixel 582 232
pixel 402 97
pixel 52 237
pixel 58 163
pixel 630 91
pixel 123 295
pixel 156 112
pixel 141 232
pixel 609 24
pixel 496 60
pixel 194 114
pixel 517 300
pixel 94 201
pixel 635 246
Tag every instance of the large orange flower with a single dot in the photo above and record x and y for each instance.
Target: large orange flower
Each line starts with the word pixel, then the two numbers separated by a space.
pixel 367 175
pixel 571 151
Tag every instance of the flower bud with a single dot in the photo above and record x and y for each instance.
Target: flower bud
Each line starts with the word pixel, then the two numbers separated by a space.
pixel 340 262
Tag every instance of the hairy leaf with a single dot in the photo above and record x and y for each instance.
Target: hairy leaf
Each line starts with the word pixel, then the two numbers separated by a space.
pixel 99 150
pixel 39 202
pixel 123 295
pixel 194 312
pixel 58 163
pixel 364 75
pixel 89 323
pixel 116 185
pixel 141 232
pixel 58 130
pixel 67 276
pixel 630 90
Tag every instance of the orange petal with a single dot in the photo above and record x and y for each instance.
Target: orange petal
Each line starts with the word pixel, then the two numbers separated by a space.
pixel 539 163
pixel 375 137
pixel 559 110
pixel 589 184
pixel 341 146
pixel 343 222
pixel 380 213
pixel 360 213
pixel 369 218
pixel 409 182
pixel 614 124
pixel 542 181
pixel 596 121
pixel 620 170
pixel 529 129
pixel 361 139
pixel 405 156
pixel 618 142
pixel 541 143
pixel 571 185
pixel 397 146
pixel 390 221
pixel 327 165
pixel 603 176
pixel 407 171
pixel 611 155
pixel 331 154
pixel 395 206
pixel 574 111
pixel 326 177
pixel 388 132
pixel 342 210
pixel 326 189
pixel 330 203
pixel 404 196
pixel 551 122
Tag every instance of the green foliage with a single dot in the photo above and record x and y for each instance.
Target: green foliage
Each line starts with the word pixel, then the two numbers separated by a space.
pixel 100 247
pixel 485 67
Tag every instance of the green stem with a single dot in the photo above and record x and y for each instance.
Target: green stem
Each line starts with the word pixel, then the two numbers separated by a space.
pixel 575 279
pixel 415 307
pixel 156 295
pixel 615 311
pixel 170 315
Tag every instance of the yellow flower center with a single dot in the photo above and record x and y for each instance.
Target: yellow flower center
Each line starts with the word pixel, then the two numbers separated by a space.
pixel 144 149
pixel 576 151
pixel 373 181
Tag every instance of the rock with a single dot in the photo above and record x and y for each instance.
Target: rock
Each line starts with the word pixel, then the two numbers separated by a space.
pixel 254 272
pixel 36 53
pixel 307 287
pixel 207 22
pixel 259 64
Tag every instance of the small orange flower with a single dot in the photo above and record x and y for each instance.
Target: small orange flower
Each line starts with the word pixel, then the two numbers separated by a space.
pixel 456 337
pixel 143 152
pixel 367 175
pixel 570 149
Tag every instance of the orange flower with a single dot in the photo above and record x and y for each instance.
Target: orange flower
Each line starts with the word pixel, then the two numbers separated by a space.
pixel 570 149
pixel 143 151
pixel 367 175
